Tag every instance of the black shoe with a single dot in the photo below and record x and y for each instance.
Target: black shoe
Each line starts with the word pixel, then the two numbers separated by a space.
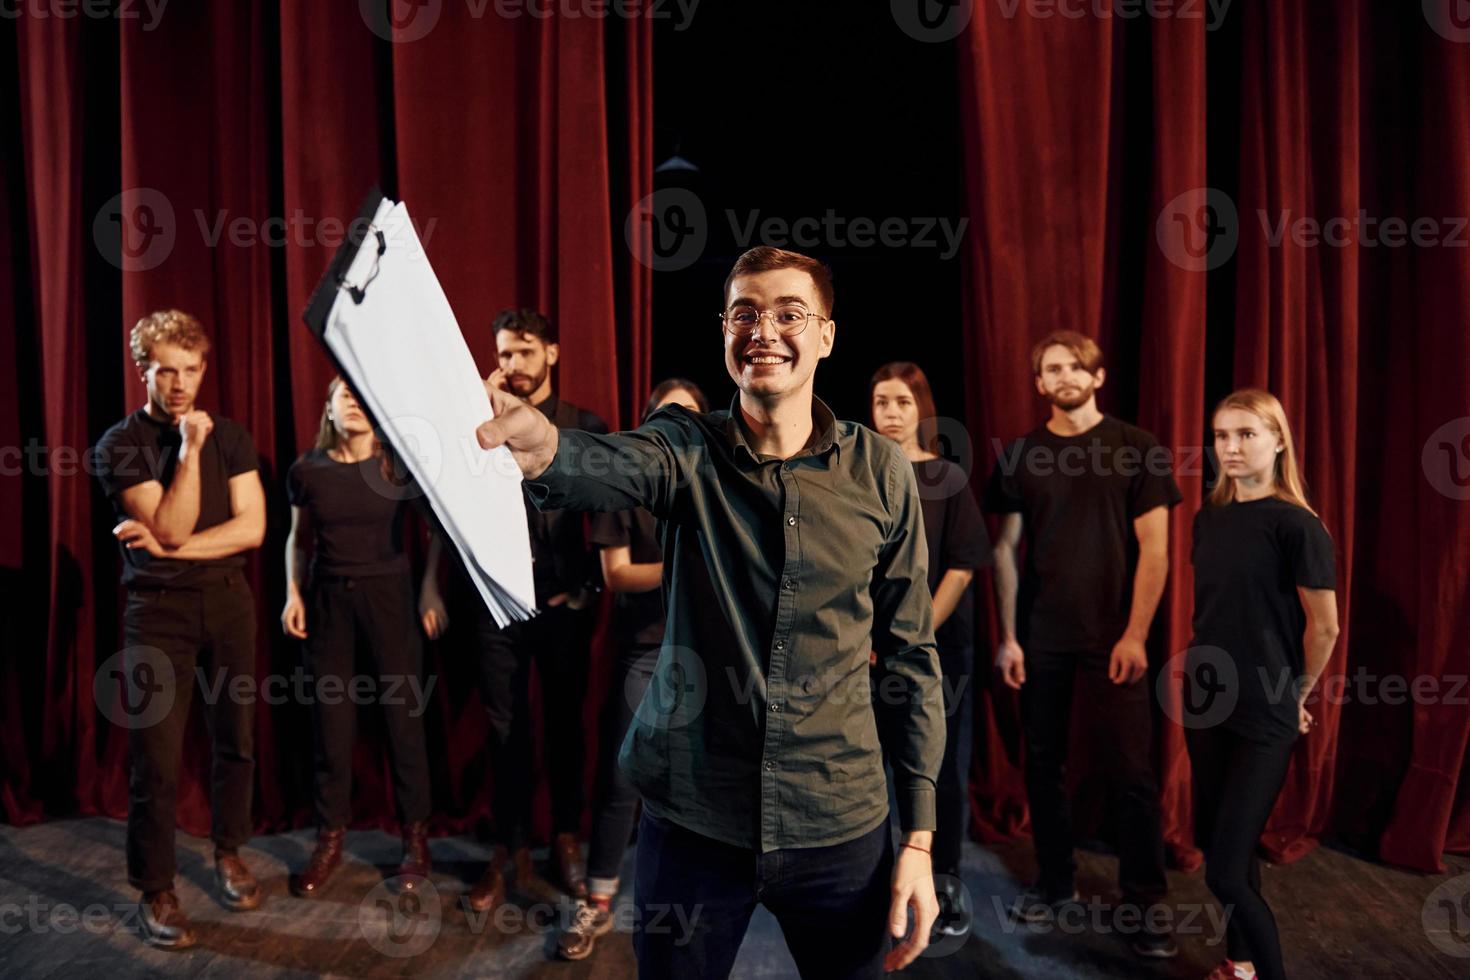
pixel 1037 904
pixel 1155 945
pixel 954 919
pixel 164 924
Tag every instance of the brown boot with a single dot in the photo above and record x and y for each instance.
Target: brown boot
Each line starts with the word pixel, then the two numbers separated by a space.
pixel 238 889
pixel 566 858
pixel 326 859
pixel 413 870
pixel 165 925
pixel 489 892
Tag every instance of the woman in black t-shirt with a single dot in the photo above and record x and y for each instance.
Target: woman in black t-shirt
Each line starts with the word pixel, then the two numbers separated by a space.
pixel 1265 622
pixel 632 567
pixel 347 513
pixel 903 410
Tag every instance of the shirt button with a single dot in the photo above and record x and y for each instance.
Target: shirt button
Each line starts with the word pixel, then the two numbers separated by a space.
pixel 791 521
pixel 769 766
pixel 775 705
pixel 788 585
pixel 780 644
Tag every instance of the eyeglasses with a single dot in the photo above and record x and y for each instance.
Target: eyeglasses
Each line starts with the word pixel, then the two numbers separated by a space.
pixel 788 320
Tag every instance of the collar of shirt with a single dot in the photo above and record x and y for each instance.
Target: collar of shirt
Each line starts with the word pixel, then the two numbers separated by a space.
pixel 823 438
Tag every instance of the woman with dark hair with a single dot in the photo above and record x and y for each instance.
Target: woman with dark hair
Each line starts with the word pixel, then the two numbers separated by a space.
pixel 1265 621
pixel 347 514
pixel 903 410
pixel 632 567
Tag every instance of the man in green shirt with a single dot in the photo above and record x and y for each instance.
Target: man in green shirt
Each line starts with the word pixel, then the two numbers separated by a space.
pixel 795 546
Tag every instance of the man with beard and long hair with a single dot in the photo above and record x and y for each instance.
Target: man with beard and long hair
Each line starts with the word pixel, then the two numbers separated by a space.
pixel 557 639
pixel 1091 494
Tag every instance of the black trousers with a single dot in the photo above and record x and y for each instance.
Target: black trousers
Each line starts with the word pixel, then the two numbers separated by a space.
pixel 377 617
pixel 168 633
pixel 1236 782
pixel 614 799
pixel 952 789
pixel 557 640
pixel 1133 794
pixel 694 896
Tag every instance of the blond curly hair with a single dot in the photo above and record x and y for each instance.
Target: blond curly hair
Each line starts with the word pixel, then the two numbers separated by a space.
pixel 167 327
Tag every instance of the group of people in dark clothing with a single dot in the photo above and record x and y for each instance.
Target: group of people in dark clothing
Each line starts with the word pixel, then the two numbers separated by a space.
pixel 761 556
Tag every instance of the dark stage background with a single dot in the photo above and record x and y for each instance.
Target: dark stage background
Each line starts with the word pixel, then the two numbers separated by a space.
pixel 1080 153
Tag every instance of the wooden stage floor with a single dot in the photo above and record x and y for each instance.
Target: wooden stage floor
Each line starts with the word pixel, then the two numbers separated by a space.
pixel 66 912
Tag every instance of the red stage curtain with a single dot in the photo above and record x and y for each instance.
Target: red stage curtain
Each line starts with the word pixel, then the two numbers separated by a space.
pixel 1315 111
pixel 496 132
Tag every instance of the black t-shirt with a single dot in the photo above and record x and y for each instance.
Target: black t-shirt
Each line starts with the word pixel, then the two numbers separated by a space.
pixel 638 616
pixel 141 448
pixel 356 514
pixel 1249 558
pixel 1078 497
pixel 956 535
pixel 560 559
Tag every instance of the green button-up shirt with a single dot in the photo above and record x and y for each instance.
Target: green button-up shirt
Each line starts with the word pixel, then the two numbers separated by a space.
pixel 780 576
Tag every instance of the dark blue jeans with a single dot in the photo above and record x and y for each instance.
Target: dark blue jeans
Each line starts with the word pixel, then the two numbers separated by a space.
pixel 694 898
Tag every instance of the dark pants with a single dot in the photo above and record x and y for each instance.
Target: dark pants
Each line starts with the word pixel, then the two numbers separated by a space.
pixel 557 639
pixel 694 897
pixel 1236 782
pixel 1123 741
pixel 377 615
pixel 213 628
pixel 952 789
pixel 615 801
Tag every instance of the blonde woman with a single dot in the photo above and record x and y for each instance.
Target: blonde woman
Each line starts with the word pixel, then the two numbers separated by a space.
pixel 347 514
pixel 1265 610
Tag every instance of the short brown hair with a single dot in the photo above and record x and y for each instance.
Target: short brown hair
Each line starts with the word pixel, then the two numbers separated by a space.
pixel 167 327
pixel 765 258
pixel 1083 347
pixel 525 323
